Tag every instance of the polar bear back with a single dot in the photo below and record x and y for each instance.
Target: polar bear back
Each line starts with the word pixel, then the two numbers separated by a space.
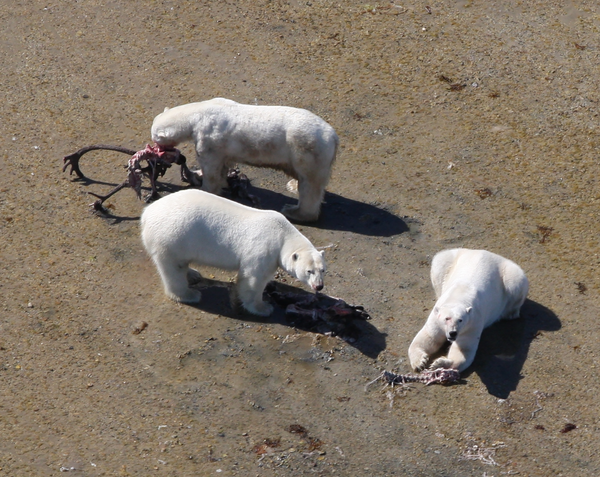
pixel 273 134
pixel 201 227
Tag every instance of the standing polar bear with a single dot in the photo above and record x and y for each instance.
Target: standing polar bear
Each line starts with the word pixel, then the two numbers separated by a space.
pixel 292 140
pixel 474 288
pixel 193 226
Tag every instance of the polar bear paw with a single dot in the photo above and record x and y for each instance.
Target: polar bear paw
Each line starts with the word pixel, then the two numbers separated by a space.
pixel 512 314
pixel 194 277
pixel 292 186
pixel 294 213
pixel 419 363
pixel 442 363
pixel 260 309
pixel 190 296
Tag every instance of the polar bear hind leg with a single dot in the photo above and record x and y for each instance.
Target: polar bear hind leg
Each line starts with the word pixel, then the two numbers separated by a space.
pixel 516 287
pixel 441 265
pixel 310 196
pixel 194 277
pixel 249 291
pixel 175 280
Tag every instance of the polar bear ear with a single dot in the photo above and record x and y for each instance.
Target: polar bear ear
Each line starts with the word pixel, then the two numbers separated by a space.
pixel 295 257
pixel 322 252
pixel 166 109
pixel 325 247
pixel 469 308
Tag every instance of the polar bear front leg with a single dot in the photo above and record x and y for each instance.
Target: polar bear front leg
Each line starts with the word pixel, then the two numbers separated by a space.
pixel 423 346
pixel 249 290
pixel 460 356
pixel 214 173
pixel 175 280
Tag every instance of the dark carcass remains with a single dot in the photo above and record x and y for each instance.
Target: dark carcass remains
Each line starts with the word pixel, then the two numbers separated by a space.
pixel 320 313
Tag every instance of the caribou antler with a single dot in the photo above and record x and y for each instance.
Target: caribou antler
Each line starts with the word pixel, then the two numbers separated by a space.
pixel 158 160
pixel 73 159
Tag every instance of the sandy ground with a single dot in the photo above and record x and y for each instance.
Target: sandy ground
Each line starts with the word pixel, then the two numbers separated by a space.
pixel 461 124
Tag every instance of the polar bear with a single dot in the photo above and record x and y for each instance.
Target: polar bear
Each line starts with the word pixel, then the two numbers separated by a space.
pixel 474 288
pixel 193 226
pixel 292 140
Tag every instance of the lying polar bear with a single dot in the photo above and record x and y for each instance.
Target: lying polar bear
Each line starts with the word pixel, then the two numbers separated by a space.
pixel 293 140
pixel 192 226
pixel 474 288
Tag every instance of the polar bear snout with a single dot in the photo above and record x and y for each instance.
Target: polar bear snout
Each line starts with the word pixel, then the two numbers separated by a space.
pixel 452 328
pixel 315 280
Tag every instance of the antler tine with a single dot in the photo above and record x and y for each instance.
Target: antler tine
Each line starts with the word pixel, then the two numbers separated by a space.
pixel 72 160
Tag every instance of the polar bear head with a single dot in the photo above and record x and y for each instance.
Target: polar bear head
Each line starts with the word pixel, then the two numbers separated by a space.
pixel 171 127
pixel 453 319
pixel 308 266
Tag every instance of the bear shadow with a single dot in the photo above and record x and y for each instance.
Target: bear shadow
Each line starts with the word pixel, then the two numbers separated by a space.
pixel 366 338
pixel 337 212
pixel 341 213
pixel 163 188
pixel 504 346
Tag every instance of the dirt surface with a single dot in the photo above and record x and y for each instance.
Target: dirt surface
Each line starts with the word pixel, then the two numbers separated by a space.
pixel 461 124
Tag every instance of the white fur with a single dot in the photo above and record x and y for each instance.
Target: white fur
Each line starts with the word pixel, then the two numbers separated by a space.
pixel 192 226
pixel 293 140
pixel 474 288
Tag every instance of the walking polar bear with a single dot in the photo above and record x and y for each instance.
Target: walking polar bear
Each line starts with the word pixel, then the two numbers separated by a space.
pixel 193 226
pixel 474 288
pixel 292 140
